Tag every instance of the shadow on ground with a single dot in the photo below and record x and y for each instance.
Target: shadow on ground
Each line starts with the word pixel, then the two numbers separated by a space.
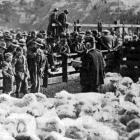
pixel 70 86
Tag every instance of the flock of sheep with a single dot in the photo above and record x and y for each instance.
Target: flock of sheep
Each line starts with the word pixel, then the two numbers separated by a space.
pixel 113 114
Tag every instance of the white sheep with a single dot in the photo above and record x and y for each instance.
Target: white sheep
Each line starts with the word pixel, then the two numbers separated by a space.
pixel 56 136
pixel 20 123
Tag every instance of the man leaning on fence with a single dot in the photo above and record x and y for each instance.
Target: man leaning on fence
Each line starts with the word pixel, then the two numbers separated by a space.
pixel 92 69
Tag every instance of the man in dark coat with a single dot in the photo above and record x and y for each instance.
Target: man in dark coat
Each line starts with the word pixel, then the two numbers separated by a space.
pixel 92 70
pixel 62 18
pixel 107 40
pixel 53 23
pixel 36 61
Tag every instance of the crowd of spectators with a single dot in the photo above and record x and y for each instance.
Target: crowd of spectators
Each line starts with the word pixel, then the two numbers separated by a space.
pixel 25 55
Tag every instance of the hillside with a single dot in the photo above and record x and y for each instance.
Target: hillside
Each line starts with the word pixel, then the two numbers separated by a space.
pixel 29 14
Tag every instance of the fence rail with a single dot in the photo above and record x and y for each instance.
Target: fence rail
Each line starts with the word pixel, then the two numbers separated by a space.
pixel 65 73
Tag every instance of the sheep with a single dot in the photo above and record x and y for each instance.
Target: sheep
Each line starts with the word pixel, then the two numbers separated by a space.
pixel 134 134
pixel 110 85
pixel 74 129
pixel 56 136
pixel 49 122
pixel 4 135
pixel 66 110
pixel 126 81
pixel 94 127
pixel 128 116
pixel 133 124
pixel 20 123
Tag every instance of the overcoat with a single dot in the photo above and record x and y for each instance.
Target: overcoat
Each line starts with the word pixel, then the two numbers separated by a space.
pixel 92 70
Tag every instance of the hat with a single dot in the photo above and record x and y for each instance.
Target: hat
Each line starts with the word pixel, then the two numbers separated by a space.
pixel 15 42
pixel 43 32
pixel 3 45
pixel 8 38
pixel 106 31
pixel 6 33
pixel 7 55
pixel 66 11
pixel 39 35
pixel 88 32
pixel 39 42
pixel 55 10
pixel 24 34
pixel 95 32
pixel 22 42
pixel 19 49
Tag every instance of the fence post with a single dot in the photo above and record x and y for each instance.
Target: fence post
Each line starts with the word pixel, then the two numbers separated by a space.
pixel 64 68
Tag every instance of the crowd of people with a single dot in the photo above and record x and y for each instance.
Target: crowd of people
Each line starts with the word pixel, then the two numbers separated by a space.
pixel 29 55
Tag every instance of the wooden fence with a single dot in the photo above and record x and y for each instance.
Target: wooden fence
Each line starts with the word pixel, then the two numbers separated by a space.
pixel 66 71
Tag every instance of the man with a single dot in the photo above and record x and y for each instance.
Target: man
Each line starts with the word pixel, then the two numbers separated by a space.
pixel 8 74
pixel 92 69
pixel 36 61
pixel 22 43
pixel 107 40
pixel 62 18
pixel 2 51
pixel 53 23
pixel 21 72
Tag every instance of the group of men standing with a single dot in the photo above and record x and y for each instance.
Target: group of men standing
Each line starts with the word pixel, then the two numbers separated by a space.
pixel 57 23
pixel 29 55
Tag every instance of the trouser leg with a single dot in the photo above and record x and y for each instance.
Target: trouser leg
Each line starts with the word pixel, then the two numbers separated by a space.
pixel 85 88
pixel 45 77
pixel 33 82
pixel 18 86
pixel 38 83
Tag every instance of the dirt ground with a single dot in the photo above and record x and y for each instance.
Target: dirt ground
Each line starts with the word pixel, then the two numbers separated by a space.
pixel 71 86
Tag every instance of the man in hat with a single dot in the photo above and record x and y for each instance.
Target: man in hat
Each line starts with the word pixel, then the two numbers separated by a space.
pixel 2 51
pixel 22 44
pixel 8 74
pixel 107 40
pixel 53 23
pixel 62 18
pixel 8 40
pixel 36 64
pixel 88 37
pixel 92 69
pixel 21 72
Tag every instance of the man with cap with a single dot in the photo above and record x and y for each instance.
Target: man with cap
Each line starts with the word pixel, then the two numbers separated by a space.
pixel 36 65
pixel 53 23
pixel 92 69
pixel 62 18
pixel 8 74
pixel 88 37
pixel 30 39
pixel 21 72
pixel 2 51
pixel 8 39
pixel 22 44
pixel 107 40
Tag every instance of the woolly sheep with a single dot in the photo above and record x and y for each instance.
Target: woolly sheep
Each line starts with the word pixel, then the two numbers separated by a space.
pixel 134 134
pixel 133 124
pixel 50 122
pixel 4 135
pixel 56 136
pixel 20 123
pixel 94 127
